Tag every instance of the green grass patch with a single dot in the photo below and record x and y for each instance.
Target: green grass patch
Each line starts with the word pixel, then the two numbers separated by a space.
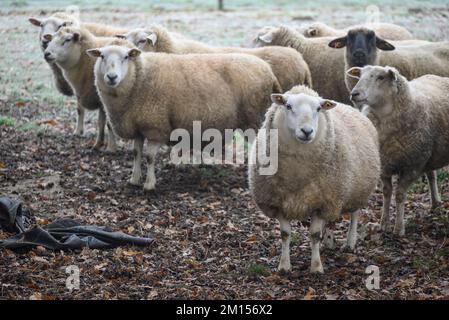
pixel 4 121
pixel 257 270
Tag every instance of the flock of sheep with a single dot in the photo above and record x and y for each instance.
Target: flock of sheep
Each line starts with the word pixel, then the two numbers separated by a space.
pixel 147 82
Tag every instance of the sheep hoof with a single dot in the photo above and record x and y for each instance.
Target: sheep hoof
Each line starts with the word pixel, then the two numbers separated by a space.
pixel 149 187
pixel 399 231
pixel 316 269
pixel 348 248
pixel 134 182
pixel 111 150
pixel 436 204
pixel 284 268
pixel 384 226
pixel 97 146
pixel 78 133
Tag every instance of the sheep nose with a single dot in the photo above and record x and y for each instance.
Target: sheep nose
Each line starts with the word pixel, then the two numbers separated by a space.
pixel 354 94
pixel 359 54
pixel 112 77
pixel 307 131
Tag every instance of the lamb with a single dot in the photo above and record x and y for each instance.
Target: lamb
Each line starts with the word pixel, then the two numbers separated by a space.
pixel 326 65
pixel 67 48
pixel 48 27
pixel 413 58
pixel 412 119
pixel 328 164
pixel 287 64
pixel 384 30
pixel 148 95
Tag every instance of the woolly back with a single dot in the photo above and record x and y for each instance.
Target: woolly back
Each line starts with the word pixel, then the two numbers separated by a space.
pixel 66 17
pixel 121 42
pixel 303 89
pixel 85 36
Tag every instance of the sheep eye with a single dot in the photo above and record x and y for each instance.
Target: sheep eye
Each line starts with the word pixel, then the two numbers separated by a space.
pixel 288 106
pixel 102 57
pixel 126 57
pixel 380 78
pixel 142 41
pixel 318 110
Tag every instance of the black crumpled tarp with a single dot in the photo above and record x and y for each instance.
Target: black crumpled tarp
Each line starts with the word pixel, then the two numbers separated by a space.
pixel 62 234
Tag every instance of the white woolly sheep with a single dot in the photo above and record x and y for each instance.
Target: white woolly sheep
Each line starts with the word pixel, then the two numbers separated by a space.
pixel 48 27
pixel 412 119
pixel 147 96
pixel 384 30
pixel 67 49
pixel 287 64
pixel 328 164
pixel 326 65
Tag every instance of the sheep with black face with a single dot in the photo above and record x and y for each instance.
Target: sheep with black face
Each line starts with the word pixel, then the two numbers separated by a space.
pixel 413 58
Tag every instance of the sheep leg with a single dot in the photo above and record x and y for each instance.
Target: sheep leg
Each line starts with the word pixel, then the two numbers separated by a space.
pixel 100 127
pixel 286 228
pixel 387 190
pixel 404 183
pixel 112 144
pixel 137 164
pixel 153 148
pixel 315 230
pixel 433 186
pixel 352 232
pixel 79 131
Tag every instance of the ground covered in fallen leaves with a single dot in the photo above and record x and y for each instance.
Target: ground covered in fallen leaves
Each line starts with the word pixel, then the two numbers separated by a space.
pixel 210 241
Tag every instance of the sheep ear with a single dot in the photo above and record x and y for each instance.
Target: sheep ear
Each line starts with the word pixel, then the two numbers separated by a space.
pixel 133 53
pixel 354 72
pixel 328 104
pixel 120 36
pixel 384 45
pixel 393 74
pixel 94 53
pixel 266 38
pixel 312 32
pixel 152 38
pixel 338 43
pixel 35 22
pixel 278 99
